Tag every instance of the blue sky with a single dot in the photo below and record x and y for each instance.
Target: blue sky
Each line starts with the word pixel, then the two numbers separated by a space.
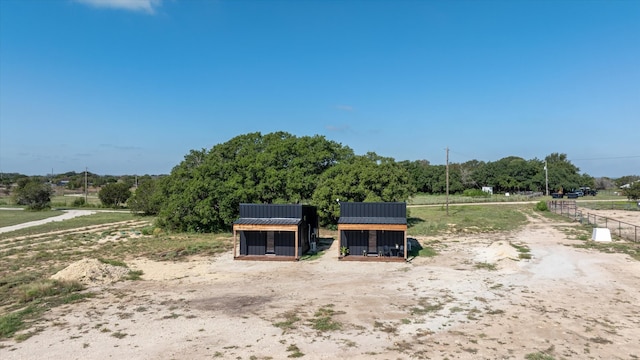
pixel 130 86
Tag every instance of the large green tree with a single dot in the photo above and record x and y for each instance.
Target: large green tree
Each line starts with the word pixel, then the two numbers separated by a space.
pixel 366 178
pixel 633 191
pixel 203 193
pixel 145 199
pixel 563 175
pixel 114 194
pixel 34 193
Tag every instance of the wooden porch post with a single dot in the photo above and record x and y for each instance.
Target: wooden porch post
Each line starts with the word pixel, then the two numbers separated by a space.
pixel 296 242
pixel 406 252
pixel 234 242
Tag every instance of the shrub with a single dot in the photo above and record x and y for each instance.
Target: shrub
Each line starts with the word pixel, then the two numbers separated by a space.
pixel 34 194
pixel 79 202
pixel 147 230
pixel 542 206
pixel 475 193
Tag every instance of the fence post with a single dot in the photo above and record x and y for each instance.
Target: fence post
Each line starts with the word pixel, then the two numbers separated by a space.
pixel 619 229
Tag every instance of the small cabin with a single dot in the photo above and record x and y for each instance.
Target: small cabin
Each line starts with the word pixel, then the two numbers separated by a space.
pixel 274 231
pixel 373 231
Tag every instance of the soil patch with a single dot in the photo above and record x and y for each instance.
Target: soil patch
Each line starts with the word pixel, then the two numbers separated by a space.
pixel 565 302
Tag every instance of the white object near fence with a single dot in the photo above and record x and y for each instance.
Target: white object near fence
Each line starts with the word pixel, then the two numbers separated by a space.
pixel 601 234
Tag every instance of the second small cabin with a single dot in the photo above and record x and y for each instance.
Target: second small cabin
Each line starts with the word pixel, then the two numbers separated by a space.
pixel 373 230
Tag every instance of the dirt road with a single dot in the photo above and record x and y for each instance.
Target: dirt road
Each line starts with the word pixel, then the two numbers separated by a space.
pixel 566 302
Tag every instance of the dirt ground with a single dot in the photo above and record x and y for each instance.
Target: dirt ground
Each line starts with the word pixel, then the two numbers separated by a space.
pixel 565 301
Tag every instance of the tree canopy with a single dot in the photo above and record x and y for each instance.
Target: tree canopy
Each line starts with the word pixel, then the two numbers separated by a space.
pixel 203 192
pixel 33 193
pixel 361 178
pixel 509 174
pixel 145 199
pixel 114 194
pixel 633 191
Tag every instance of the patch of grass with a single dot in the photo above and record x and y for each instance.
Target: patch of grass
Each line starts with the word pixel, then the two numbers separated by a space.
pixel 471 314
pixel 47 288
pixel 621 247
pixel 78 222
pixel 171 316
pixel 426 252
pixel 71 298
pixel 600 340
pixel 134 275
pixel 323 319
pixel 118 335
pixel 112 262
pixel 424 307
pixel 24 336
pixel 380 326
pixel 312 256
pixel 485 266
pixel 190 248
pixel 523 251
pixel 290 319
pixel 10 324
pixel 466 219
pixel 15 217
pixel 295 351
pixel 538 356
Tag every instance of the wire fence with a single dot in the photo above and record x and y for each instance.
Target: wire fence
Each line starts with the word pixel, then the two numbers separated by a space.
pixel 620 228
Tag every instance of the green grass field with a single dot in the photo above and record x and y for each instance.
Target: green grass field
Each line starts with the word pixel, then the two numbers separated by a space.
pixel 75 223
pixel 427 199
pixel 14 217
pixel 68 201
pixel 465 219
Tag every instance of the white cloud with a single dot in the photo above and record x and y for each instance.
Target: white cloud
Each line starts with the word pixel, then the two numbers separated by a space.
pixel 147 6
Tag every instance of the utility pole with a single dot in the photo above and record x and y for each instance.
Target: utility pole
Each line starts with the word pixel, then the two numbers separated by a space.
pixel 447 181
pixel 86 189
pixel 546 177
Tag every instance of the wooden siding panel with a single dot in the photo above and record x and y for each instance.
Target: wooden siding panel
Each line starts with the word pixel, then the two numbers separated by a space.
pixel 285 243
pixel 256 242
pixel 357 241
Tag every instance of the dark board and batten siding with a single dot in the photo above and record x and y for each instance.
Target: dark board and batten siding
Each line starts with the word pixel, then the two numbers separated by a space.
pixel 394 210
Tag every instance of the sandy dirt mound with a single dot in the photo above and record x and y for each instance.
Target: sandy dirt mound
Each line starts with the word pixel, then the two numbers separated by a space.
pixel 91 272
pixel 497 251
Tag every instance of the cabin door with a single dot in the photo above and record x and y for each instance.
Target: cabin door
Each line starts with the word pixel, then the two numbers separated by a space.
pixel 271 247
pixel 373 241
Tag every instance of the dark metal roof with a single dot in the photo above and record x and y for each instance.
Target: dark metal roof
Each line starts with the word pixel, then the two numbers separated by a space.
pixel 372 220
pixel 267 221
pixel 373 210
pixel 296 211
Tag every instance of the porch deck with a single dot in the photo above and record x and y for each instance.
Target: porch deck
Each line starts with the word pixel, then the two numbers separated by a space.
pixel 266 258
pixel 371 258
